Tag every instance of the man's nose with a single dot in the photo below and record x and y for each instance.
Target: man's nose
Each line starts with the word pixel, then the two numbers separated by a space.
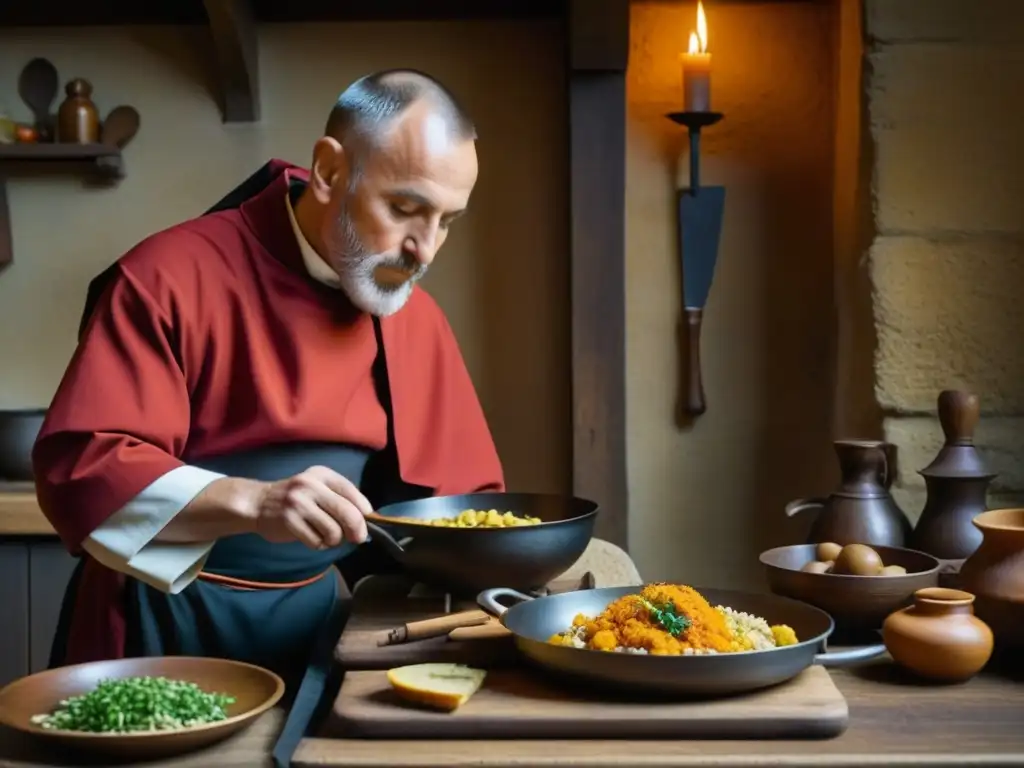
pixel 423 245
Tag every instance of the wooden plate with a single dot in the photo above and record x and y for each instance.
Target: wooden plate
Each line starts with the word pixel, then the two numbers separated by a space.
pixel 255 689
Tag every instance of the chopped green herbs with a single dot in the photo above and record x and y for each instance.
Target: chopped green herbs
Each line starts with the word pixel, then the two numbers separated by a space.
pixel 134 704
pixel 671 620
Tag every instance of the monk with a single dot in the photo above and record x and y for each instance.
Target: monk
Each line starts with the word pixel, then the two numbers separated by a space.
pixel 248 384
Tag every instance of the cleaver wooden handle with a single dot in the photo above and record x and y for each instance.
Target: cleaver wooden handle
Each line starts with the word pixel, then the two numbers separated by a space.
pixel 695 404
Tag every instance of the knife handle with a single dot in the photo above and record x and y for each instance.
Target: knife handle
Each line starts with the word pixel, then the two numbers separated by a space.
pixel 695 404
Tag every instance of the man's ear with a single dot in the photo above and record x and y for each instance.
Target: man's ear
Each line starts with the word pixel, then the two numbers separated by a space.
pixel 328 170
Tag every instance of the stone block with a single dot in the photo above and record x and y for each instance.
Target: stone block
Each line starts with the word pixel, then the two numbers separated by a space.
pixel 966 21
pixel 944 121
pixel 948 315
pixel 1000 442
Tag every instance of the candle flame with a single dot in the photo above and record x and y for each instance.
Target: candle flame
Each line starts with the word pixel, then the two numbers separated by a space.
pixel 699 39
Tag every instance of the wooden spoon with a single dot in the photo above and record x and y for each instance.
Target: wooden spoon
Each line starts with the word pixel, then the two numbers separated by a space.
pixel 120 126
pixel 38 86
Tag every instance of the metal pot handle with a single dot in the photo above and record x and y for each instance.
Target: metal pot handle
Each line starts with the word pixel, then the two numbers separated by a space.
pixel 799 505
pixel 851 656
pixel 488 599
pixel 394 548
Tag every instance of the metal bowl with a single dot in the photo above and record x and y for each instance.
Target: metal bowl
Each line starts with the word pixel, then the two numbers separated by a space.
pixel 858 604
pixel 255 689
pixel 467 561
pixel 18 432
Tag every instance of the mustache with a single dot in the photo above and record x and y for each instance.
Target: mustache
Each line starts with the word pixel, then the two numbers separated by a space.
pixel 404 262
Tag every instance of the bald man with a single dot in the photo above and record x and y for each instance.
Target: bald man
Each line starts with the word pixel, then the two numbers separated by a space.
pixel 250 383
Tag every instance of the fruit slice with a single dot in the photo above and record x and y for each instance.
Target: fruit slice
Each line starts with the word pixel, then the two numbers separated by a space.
pixel 440 686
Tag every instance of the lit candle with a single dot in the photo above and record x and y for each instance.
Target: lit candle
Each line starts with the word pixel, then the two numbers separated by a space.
pixel 697 68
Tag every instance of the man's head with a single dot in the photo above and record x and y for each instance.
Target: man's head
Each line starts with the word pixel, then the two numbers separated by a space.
pixel 395 167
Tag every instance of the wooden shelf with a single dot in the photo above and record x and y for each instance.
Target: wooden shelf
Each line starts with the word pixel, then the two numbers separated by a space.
pixel 113 12
pixel 101 161
pixel 102 158
pixel 20 514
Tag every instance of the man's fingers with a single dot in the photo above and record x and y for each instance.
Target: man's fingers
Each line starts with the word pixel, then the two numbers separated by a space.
pixel 351 520
pixel 301 530
pixel 344 487
pixel 328 530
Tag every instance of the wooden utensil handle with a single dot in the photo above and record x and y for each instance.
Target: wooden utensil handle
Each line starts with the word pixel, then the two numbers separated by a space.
pixel 435 627
pixel 492 629
pixel 695 404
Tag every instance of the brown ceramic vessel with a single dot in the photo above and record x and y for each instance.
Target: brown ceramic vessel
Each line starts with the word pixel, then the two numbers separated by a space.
pixel 861 510
pixel 939 637
pixel 255 690
pixel 995 575
pixel 957 482
pixel 857 604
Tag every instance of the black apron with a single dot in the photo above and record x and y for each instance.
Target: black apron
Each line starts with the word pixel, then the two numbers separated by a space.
pixel 292 631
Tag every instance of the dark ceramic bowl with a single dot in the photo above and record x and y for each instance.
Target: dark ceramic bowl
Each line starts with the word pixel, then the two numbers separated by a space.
pixel 18 432
pixel 857 604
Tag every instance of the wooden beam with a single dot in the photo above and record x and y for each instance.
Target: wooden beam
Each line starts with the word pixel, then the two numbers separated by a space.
pixel 598 35
pixel 6 236
pixel 233 26
pixel 598 54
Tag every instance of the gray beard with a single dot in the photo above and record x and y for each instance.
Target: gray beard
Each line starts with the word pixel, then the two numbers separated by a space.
pixel 356 266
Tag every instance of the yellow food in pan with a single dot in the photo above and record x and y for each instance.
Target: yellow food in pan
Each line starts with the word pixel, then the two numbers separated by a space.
pixel 475 518
pixel 672 620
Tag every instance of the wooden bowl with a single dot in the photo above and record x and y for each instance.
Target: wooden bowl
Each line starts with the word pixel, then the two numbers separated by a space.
pixel 255 689
pixel 857 604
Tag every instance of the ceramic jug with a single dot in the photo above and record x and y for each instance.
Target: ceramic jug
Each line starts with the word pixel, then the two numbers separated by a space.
pixel 861 510
pixel 995 574
pixel 939 637
pixel 957 482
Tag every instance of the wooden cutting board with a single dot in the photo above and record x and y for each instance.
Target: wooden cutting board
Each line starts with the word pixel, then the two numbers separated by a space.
pixel 518 704
pixel 377 610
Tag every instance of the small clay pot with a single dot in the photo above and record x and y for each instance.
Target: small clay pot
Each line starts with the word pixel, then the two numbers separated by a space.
pixel 939 637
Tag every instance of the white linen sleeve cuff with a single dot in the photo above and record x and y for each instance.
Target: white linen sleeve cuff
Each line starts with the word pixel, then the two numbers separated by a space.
pixel 124 541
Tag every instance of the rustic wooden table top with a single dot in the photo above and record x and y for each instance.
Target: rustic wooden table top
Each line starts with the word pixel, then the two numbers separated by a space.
pixel 894 721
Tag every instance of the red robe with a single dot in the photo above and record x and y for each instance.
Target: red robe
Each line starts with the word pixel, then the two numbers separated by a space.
pixel 212 339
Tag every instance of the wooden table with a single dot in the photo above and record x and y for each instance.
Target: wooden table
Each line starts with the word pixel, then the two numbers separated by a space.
pixel 893 723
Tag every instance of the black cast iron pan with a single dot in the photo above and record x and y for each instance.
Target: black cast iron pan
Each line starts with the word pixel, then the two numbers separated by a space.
pixel 534 620
pixel 466 561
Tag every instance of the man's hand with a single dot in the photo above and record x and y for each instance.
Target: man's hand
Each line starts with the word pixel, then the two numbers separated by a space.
pixel 318 507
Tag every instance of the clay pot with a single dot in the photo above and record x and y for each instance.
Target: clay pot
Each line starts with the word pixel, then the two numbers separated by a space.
pixel 939 637
pixel 995 574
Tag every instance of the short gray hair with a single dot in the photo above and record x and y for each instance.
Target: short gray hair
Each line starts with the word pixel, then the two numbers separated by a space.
pixel 368 107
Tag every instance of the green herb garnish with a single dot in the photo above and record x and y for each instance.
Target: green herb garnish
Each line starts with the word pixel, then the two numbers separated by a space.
pixel 671 620
pixel 134 704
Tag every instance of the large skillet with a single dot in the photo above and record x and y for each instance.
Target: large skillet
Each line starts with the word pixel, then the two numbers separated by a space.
pixel 533 621
pixel 466 561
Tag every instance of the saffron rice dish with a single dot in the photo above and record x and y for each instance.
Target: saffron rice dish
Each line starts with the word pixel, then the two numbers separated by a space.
pixel 672 620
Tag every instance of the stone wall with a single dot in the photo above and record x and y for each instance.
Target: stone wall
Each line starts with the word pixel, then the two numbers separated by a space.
pixel 944 83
